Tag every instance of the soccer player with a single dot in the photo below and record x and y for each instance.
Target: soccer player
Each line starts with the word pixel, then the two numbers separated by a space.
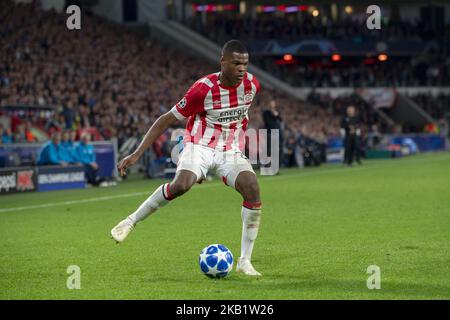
pixel 216 108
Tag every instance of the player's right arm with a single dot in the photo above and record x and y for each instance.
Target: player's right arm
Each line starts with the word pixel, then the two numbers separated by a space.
pixel 156 130
pixel 190 104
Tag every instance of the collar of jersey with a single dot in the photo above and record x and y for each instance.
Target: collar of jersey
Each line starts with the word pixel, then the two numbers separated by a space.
pixel 230 87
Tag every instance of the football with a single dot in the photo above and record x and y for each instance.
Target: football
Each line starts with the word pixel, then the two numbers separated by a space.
pixel 216 261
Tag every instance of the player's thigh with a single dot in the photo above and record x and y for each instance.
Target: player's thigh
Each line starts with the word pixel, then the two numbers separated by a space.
pixel 231 164
pixel 195 159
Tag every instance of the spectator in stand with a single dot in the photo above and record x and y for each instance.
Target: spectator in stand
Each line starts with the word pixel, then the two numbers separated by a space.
pixel 374 137
pixel 291 160
pixel 29 136
pixel 73 136
pixel 67 148
pixel 69 115
pixel 431 128
pixel 50 153
pixel 86 155
pixel 54 123
pixel 443 127
pixel 7 136
pixel 20 135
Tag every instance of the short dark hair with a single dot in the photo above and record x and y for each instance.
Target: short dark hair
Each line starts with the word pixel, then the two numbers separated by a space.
pixel 233 46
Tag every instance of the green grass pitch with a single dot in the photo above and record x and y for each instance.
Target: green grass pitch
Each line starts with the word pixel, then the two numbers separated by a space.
pixel 321 229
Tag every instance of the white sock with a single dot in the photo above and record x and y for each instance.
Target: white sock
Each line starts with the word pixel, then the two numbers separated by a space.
pixel 250 226
pixel 158 199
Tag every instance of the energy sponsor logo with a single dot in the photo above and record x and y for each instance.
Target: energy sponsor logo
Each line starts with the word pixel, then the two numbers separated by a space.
pixel 232 115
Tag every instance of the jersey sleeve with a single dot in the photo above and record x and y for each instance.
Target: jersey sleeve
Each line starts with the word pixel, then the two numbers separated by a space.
pixel 192 102
pixel 256 83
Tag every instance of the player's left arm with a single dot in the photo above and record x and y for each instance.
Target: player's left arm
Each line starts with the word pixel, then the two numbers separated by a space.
pixel 257 85
pixel 155 131
pixel 256 88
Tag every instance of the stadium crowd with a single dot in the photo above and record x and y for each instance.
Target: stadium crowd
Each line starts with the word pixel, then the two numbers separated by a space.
pixel 436 106
pixel 103 76
pixel 106 80
pixel 430 69
pixel 221 27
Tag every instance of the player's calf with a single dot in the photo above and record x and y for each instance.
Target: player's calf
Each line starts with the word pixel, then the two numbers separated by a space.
pixel 247 185
pixel 251 218
pixel 165 193
pixel 158 199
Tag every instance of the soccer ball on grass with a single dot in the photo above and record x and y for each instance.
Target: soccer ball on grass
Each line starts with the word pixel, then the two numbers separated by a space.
pixel 216 261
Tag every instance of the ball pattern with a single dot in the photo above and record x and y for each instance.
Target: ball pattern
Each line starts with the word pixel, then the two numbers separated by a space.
pixel 216 261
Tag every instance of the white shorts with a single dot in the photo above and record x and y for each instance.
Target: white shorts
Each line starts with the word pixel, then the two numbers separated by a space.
pixel 200 159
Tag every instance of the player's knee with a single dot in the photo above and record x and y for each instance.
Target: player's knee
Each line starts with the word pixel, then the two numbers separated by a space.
pixel 182 182
pixel 250 191
pixel 180 187
pixel 248 187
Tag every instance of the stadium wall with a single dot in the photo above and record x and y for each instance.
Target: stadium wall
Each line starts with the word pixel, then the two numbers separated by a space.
pixel 412 12
pixel 25 154
pixel 151 10
pixel 42 178
pixel 345 91
pixel 112 10
pixel 145 10
pixel 58 5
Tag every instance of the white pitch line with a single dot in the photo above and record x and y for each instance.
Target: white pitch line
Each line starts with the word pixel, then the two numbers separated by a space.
pixel 280 177
pixel 128 195
pixel 64 203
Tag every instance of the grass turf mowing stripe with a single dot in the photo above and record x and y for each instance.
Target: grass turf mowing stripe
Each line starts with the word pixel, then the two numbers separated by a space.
pixel 377 164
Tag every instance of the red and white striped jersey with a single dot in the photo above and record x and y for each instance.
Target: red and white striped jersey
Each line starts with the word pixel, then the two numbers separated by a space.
pixel 217 114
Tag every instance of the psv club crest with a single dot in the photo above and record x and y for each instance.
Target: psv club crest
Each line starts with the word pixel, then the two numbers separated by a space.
pixel 248 98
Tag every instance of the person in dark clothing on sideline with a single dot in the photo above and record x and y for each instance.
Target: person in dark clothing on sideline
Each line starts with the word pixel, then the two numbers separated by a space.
pixel 291 160
pixel 351 131
pixel 272 120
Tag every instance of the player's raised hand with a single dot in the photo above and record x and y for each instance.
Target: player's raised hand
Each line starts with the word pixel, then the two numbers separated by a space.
pixel 127 162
